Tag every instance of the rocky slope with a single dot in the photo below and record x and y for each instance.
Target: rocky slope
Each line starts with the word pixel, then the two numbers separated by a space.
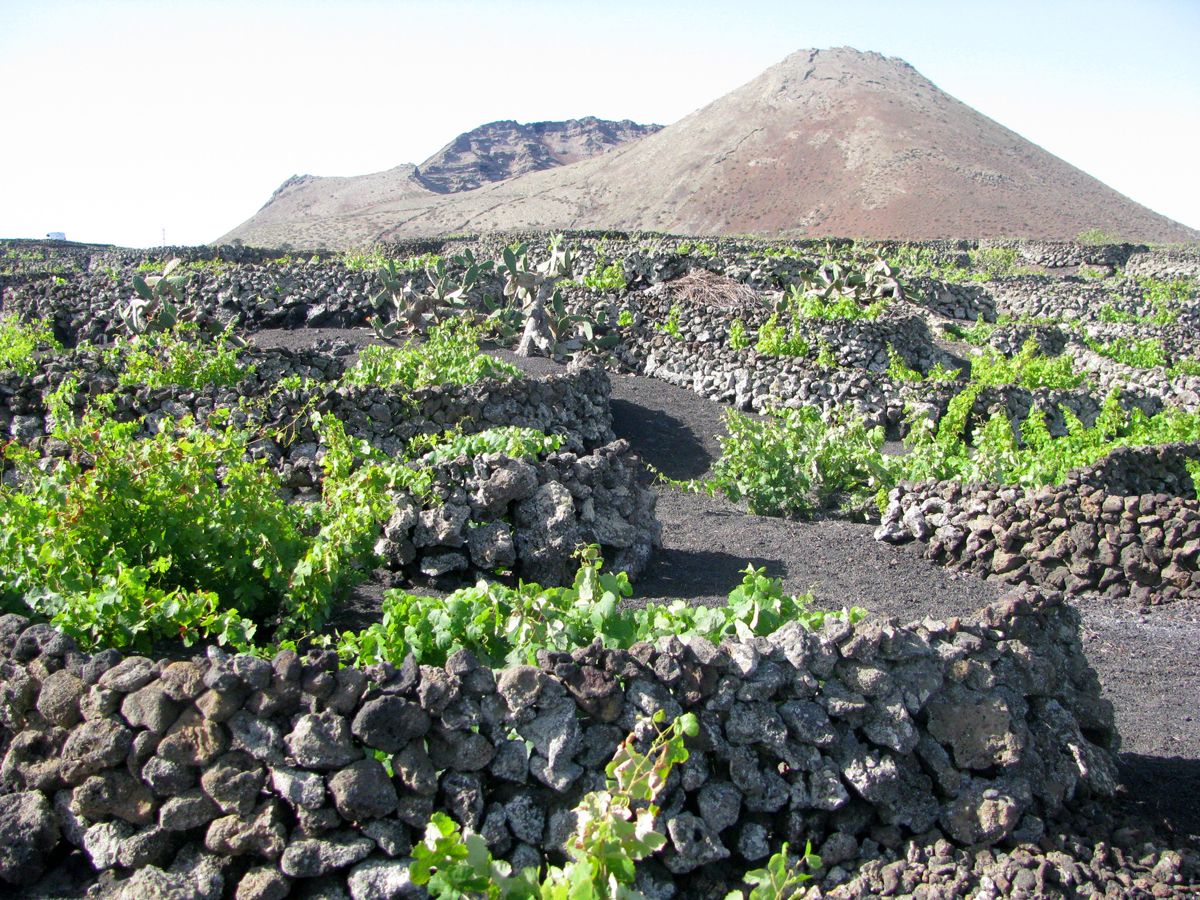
pixel 309 211
pixel 827 142
pixel 502 150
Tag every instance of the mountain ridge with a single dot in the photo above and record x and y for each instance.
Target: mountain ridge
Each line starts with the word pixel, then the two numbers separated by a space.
pixel 825 143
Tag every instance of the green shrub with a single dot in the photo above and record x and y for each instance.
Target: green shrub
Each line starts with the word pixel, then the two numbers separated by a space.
pixel 513 441
pixel 794 461
pixel 20 341
pixel 776 340
pixel 1144 353
pixel 840 307
pixel 738 339
pixel 994 262
pixel 1044 459
pixel 366 259
pixel 1036 458
pixel 158 537
pixel 1163 315
pixel 899 370
pixel 420 263
pixel 449 355
pixel 1028 369
pixel 1184 367
pixel 781 253
pixel 181 357
pixel 1161 292
pixel 1097 236
pixel 505 625
pixel 826 357
pixel 921 262
pixel 609 277
pixel 699 248
pixel 357 495
pixel 783 876
pixel 671 326
pixel 131 539
pixel 1163 296
pixel 615 828
pixel 940 373
pixel 213 266
pixel 978 334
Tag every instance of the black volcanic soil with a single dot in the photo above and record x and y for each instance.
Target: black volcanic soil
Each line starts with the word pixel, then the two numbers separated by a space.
pixel 1148 660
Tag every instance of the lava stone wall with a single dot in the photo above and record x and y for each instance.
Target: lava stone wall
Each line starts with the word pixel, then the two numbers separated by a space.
pixel 573 404
pixel 701 360
pixel 967 302
pixel 198 775
pixel 1060 254
pixel 1183 262
pixel 257 296
pixel 1101 531
pixel 493 512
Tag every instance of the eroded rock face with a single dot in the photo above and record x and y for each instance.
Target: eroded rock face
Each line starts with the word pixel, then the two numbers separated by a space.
pixel 980 729
pixel 389 723
pixel 314 857
pixel 501 150
pixel 321 741
pixel 549 533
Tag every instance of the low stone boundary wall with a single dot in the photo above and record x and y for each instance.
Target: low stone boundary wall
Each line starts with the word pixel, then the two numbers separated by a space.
pixel 261 293
pixel 1183 262
pixel 200 775
pixel 297 295
pixel 1058 254
pixel 969 302
pixel 1080 537
pixel 574 404
pixel 528 517
pixel 700 359
pixel 1129 471
pixel 1043 297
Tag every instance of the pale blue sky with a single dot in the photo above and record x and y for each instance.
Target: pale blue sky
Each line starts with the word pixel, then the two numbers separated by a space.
pixel 122 119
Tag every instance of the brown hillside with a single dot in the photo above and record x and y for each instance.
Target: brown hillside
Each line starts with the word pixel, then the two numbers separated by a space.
pixel 827 142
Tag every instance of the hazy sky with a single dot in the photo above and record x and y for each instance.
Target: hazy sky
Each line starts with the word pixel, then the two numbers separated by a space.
pixel 122 119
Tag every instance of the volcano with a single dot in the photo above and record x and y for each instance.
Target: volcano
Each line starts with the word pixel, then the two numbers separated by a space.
pixel 826 143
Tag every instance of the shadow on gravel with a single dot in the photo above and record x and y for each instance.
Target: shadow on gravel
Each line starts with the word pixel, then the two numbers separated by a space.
pixel 1163 790
pixel 698 574
pixel 660 439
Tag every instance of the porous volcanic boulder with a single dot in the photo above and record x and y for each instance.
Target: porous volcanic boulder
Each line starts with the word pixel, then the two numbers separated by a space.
pixel 28 832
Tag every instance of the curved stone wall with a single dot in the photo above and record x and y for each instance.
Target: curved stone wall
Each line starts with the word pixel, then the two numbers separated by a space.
pixel 574 404
pixel 218 771
pixel 1128 527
